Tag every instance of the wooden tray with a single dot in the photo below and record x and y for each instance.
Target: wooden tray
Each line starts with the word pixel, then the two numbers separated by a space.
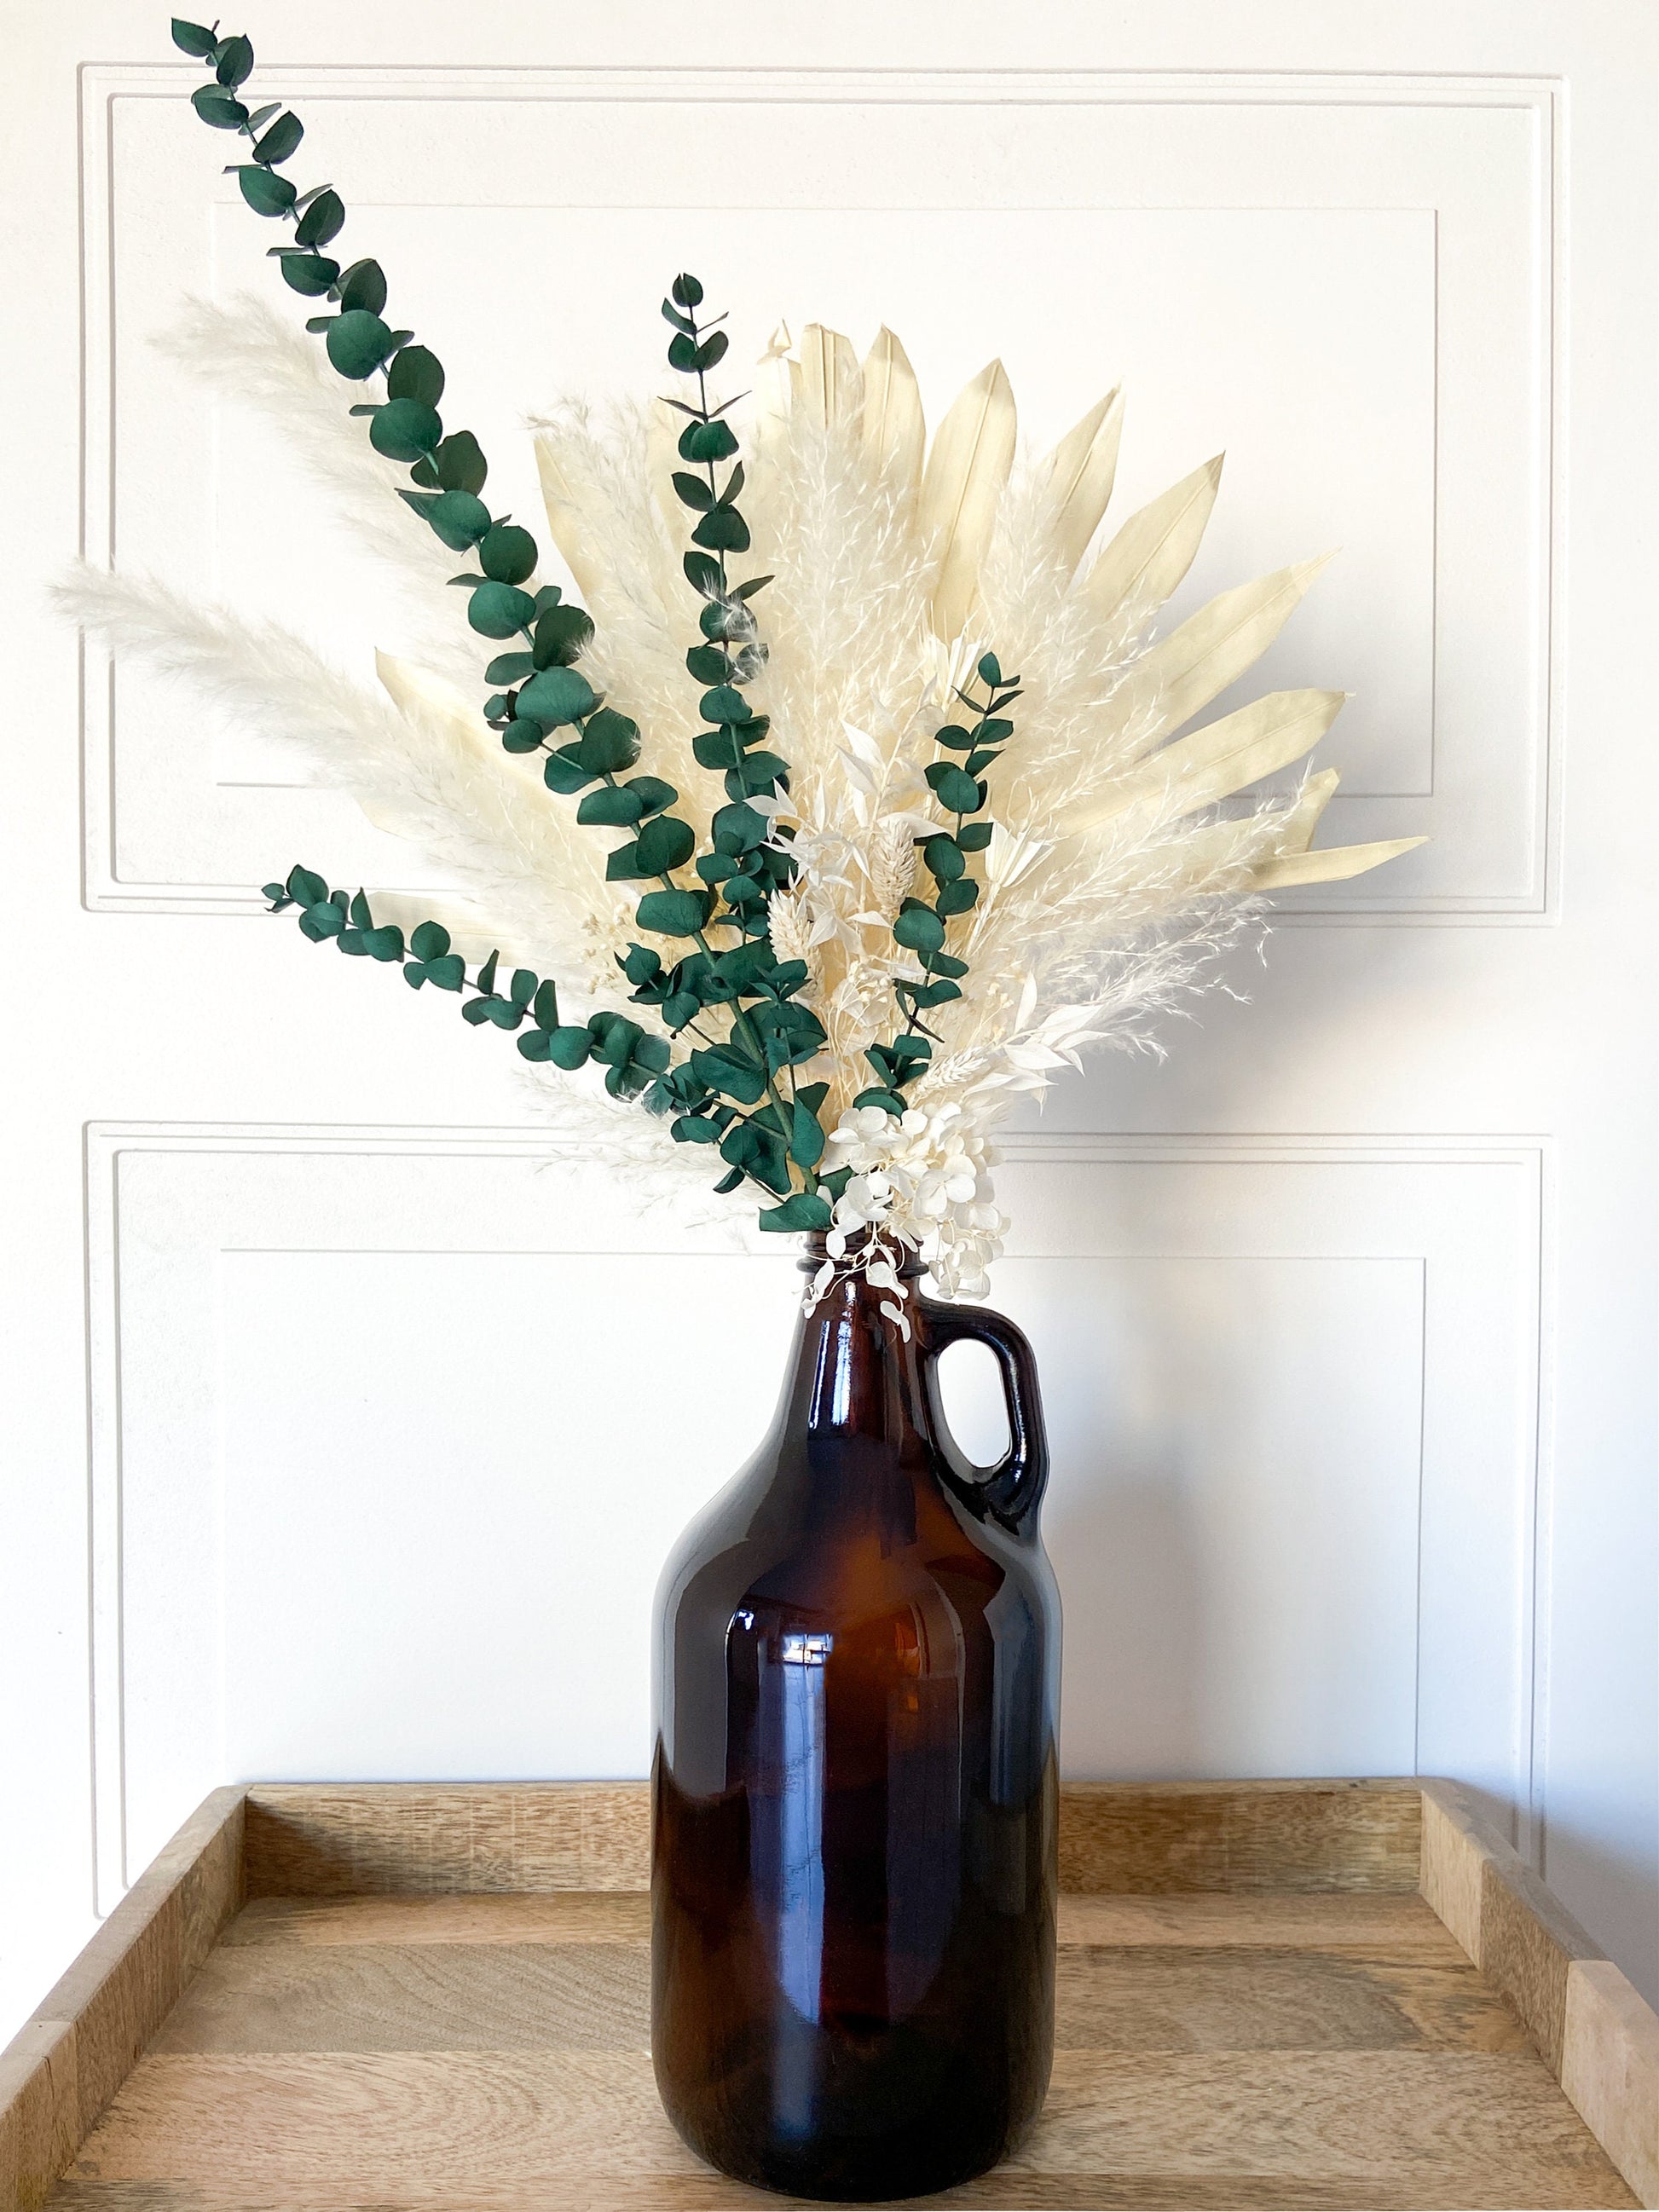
pixel 1296 1994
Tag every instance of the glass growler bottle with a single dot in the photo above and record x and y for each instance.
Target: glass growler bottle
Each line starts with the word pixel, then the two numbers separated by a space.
pixel 855 1782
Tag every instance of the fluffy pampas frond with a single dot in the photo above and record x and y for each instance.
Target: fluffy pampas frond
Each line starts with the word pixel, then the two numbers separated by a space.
pixel 420 762
pixel 246 354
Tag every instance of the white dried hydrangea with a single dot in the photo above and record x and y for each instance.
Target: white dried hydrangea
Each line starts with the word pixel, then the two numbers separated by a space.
pixel 918 1179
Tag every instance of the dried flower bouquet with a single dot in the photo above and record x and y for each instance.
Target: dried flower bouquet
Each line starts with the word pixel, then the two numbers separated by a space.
pixel 802 866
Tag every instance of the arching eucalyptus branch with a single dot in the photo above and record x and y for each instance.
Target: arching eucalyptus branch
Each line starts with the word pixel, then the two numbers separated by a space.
pixel 542 692
pixel 632 1059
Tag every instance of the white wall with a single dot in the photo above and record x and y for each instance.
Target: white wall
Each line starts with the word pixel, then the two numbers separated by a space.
pixel 326 1452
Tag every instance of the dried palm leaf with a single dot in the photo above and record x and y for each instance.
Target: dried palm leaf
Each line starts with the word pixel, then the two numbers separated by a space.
pixel 973 452
pixel 1152 552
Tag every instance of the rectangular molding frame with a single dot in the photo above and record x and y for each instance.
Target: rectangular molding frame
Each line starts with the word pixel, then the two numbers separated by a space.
pixel 103 84
pixel 106 1142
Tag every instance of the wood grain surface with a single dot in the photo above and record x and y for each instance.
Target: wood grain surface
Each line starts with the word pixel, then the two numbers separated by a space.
pixel 1610 2069
pixel 56 2077
pixel 340 1998
pixel 317 1839
pixel 1238 1837
pixel 491 2052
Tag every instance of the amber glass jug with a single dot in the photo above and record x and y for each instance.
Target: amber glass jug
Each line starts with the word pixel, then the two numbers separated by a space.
pixel 855 1786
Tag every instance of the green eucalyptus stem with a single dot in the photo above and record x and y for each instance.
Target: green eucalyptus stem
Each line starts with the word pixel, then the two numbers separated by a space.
pixel 542 693
pixel 922 925
pixel 632 1059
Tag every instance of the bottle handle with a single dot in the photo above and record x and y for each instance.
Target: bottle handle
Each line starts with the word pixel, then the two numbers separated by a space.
pixel 1012 1489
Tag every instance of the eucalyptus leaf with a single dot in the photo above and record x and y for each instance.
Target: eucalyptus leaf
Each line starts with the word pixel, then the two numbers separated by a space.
pixel 236 61
pixel 653 793
pixel 609 742
pixel 561 773
pixel 321 921
pixel 416 373
pixel 723 529
pixel 193 39
pixel 306 888
pixel 918 928
pixel 707 441
pixel 665 843
pixel 498 610
pixel 554 697
pixel 563 635
pixel 459 518
pixel 802 1209
pixel 461 465
pixel 323 220
pixel 612 806
pixel 507 553
pixel 957 791
pixel 724 703
pixel 363 285
pixel 805 1136
pixel 221 109
pixel 674 913
pixel 264 193
pixel 403 430
pixel 694 1129
pixel 357 343
pixel 723 1070
pixel 309 274
pixel 944 858
pixel 281 140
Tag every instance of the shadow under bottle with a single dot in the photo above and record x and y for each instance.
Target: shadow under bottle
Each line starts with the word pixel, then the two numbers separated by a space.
pixel 854 1782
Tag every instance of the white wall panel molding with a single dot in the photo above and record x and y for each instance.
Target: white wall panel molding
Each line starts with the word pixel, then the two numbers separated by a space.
pixel 1355 280
pixel 376 1485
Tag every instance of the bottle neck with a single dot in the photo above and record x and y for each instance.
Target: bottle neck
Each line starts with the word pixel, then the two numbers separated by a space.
pixel 856 1373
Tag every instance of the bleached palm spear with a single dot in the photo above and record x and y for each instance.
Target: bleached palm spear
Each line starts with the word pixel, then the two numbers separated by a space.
pixel 890 888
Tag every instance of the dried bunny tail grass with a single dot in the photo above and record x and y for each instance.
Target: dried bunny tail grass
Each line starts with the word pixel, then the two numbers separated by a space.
pixel 249 355
pixel 468 810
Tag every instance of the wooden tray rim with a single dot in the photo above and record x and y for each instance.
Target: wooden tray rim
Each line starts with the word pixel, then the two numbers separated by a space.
pixel 1599 2037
